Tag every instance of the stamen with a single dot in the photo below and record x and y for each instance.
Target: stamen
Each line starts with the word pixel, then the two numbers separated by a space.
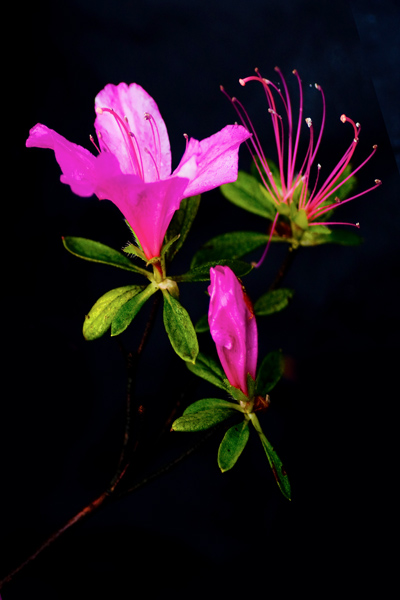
pixel 157 142
pixel 154 162
pixel 264 254
pixel 134 153
pixel 94 143
pixel 335 223
pixel 185 135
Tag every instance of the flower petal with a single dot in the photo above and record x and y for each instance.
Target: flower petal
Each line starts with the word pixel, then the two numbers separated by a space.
pixel 217 159
pixel 233 327
pixel 148 207
pixel 77 164
pixel 151 134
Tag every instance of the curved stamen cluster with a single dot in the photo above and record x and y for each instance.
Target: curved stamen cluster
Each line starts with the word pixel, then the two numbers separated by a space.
pixel 131 142
pixel 291 185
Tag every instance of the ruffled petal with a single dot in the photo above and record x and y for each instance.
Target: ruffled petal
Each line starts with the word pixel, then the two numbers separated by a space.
pixel 217 159
pixel 77 164
pixel 152 141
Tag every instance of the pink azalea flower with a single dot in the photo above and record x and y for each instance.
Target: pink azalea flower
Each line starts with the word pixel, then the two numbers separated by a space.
pixel 294 182
pixel 233 327
pixel 133 165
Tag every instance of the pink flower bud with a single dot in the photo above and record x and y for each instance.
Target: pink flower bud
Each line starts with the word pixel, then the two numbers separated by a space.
pixel 233 327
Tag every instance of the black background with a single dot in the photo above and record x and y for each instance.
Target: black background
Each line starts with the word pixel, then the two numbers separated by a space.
pixel 332 418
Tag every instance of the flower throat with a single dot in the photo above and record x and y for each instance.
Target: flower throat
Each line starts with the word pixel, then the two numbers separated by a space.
pixel 132 144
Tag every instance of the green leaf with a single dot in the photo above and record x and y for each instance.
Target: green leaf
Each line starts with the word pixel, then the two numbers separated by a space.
pixel 273 459
pixel 320 234
pixel 180 328
pixel 97 252
pixel 273 301
pixel 202 325
pixel 207 368
pixel 181 224
pixel 246 192
pixel 210 403
pixel 277 468
pixel 130 309
pixel 104 310
pixel 269 373
pixel 202 419
pixel 202 272
pixel 232 445
pixel 229 246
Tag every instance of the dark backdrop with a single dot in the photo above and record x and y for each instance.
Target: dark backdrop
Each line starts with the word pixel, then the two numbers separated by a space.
pixel 62 410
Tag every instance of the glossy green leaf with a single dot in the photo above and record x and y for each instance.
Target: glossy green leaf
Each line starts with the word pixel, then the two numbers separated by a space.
pixel 273 301
pixel 179 328
pixel 100 316
pixel 202 272
pixel 211 403
pixel 97 252
pixel 130 309
pixel 232 445
pixel 320 234
pixel 207 368
pixel 246 192
pixel 232 245
pixel 202 419
pixel 269 372
pixel 181 224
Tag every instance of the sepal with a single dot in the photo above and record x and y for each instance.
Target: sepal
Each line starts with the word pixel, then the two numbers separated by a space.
pixel 133 250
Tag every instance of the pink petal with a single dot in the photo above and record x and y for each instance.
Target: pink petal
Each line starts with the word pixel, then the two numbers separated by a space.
pixel 133 102
pixel 77 164
pixel 217 159
pixel 148 207
pixel 233 327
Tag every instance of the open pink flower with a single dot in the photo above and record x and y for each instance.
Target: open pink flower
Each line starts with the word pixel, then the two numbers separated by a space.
pixel 233 327
pixel 293 181
pixel 133 165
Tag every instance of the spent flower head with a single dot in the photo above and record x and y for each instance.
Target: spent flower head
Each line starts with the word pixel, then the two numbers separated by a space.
pixel 295 190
